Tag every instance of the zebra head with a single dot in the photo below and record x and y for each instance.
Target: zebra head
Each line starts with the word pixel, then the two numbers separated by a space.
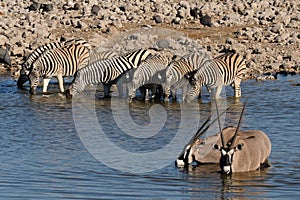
pixel 24 73
pixel 78 84
pixel 34 77
pixel 194 86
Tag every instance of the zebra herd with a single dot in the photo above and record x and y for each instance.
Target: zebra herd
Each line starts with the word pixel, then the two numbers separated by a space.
pixel 147 69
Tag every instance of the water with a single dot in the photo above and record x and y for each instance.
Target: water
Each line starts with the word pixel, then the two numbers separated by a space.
pixel 43 157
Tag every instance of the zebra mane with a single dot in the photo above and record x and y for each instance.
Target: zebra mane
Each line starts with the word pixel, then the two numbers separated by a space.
pixel 228 51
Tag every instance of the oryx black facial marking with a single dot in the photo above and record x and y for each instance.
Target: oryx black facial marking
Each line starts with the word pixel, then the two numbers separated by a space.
pixel 227 155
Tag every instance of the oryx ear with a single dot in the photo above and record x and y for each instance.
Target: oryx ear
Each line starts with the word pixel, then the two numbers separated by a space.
pixel 239 147
pixel 217 147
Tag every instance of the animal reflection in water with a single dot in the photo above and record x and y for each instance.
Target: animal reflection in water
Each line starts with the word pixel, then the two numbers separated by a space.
pixel 235 150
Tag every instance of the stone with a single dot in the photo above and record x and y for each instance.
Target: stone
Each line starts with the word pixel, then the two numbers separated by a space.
pixel 47 7
pixel 157 19
pixel 162 44
pixel 95 10
pixel 195 13
pixel 176 20
pixel 34 6
pixel 206 20
pixel 76 6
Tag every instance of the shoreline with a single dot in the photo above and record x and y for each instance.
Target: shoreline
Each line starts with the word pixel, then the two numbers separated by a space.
pixel 266 34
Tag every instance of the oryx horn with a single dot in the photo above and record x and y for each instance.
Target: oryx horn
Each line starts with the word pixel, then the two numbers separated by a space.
pixel 238 126
pixel 202 129
pixel 219 122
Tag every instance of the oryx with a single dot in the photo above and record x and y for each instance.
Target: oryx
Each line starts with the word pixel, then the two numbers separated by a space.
pixel 241 151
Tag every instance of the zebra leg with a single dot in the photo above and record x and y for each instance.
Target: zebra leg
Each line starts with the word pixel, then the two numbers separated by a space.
pixel 211 91
pixel 143 92
pixel 158 92
pixel 166 91
pixel 147 95
pixel 218 91
pixel 237 88
pixel 45 84
pixel 61 83
pixel 106 90
pixel 173 91
pixel 184 92
pixel 122 93
pixel 200 93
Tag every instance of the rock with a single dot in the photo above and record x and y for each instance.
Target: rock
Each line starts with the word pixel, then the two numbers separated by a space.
pixel 5 55
pixel 95 10
pixel 176 20
pixel 157 19
pixel 195 13
pixel 76 6
pixel 206 20
pixel 182 12
pixel 47 7
pixel 162 44
pixel 3 40
pixel 34 6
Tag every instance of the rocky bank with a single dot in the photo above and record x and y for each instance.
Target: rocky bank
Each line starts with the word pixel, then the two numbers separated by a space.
pixel 265 32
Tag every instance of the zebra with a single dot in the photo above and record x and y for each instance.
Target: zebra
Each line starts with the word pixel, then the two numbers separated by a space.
pixel 178 69
pixel 226 69
pixel 59 62
pixel 147 73
pixel 107 71
pixel 27 65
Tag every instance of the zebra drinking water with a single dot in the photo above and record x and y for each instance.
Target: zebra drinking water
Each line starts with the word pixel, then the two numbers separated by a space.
pixel 27 65
pixel 223 70
pixel 147 74
pixel 107 71
pixel 176 71
pixel 59 62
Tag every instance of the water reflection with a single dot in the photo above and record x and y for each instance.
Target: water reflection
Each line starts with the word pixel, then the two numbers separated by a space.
pixel 243 185
pixel 42 156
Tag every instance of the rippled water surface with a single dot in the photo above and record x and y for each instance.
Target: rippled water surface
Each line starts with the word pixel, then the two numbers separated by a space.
pixel 43 155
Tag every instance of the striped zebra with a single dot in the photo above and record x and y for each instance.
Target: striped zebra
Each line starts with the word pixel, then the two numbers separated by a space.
pixel 147 74
pixel 177 70
pixel 107 71
pixel 59 62
pixel 226 69
pixel 27 65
